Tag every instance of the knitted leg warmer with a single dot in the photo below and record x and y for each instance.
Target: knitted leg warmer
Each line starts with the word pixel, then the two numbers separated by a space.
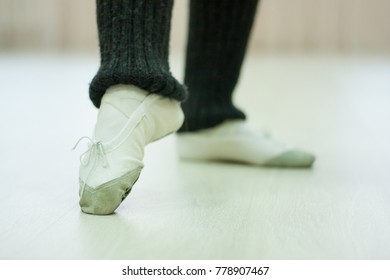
pixel 134 41
pixel 218 36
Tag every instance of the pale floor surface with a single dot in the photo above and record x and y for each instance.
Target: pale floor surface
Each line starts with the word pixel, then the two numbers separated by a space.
pixel 337 107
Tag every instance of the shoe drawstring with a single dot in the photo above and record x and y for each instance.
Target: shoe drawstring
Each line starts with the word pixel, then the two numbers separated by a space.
pixel 94 149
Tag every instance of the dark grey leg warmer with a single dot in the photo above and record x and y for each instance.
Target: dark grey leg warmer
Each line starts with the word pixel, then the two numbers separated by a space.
pixel 134 41
pixel 218 36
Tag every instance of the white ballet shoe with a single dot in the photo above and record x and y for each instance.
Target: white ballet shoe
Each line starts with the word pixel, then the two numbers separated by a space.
pixel 114 160
pixel 234 141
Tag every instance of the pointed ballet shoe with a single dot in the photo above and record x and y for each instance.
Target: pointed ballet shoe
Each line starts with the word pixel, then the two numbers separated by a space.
pixel 110 167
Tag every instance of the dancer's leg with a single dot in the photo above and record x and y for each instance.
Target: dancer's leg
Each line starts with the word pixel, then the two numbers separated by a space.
pixel 137 96
pixel 217 40
pixel 214 128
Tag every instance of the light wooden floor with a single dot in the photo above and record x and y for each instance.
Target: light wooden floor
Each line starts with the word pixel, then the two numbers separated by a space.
pixel 337 107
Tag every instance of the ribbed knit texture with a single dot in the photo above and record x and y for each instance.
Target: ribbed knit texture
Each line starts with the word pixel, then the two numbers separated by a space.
pixel 134 42
pixel 217 41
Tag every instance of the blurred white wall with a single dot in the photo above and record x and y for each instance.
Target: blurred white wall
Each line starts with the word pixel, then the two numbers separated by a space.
pixel 329 25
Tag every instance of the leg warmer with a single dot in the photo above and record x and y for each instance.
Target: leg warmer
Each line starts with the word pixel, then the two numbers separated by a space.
pixel 134 42
pixel 217 41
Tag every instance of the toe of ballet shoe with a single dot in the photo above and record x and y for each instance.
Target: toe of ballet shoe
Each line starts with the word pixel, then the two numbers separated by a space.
pixel 105 199
pixel 293 158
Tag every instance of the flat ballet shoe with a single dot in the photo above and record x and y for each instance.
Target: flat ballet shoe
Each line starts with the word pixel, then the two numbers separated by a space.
pixel 235 141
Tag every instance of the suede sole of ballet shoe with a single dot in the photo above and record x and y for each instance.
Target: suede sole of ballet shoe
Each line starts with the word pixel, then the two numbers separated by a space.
pixel 291 159
pixel 106 198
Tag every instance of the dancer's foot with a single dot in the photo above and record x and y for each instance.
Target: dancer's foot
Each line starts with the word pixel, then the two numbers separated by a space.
pixel 236 141
pixel 129 118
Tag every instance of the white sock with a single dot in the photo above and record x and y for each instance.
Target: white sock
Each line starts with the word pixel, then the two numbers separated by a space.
pixel 235 141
